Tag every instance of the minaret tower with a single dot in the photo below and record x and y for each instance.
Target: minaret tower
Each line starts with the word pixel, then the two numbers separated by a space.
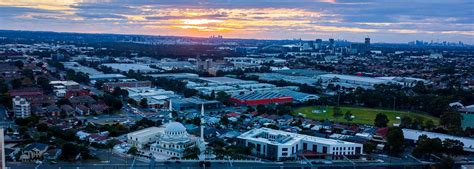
pixel 203 122
pixel 171 110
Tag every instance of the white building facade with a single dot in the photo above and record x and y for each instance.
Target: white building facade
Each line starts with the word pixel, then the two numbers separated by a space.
pixel 279 145
pixel 21 107
pixel 173 142
pixel 143 137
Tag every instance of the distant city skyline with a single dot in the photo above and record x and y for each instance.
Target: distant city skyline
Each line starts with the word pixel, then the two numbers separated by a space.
pixel 391 21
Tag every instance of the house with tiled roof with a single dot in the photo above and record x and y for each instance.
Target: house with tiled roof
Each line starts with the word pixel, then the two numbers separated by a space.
pixel 33 151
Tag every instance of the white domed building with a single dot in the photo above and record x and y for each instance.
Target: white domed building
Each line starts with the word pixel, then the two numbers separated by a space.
pixel 173 141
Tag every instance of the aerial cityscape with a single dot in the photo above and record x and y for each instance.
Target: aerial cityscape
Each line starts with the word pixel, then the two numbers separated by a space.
pixel 306 84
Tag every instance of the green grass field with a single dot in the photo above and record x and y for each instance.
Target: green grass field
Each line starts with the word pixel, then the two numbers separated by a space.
pixel 362 115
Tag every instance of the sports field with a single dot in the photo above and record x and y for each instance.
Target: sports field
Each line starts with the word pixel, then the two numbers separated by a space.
pixel 361 115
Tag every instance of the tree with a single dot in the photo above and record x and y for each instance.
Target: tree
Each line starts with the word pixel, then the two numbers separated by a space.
pixel 426 146
pixel 133 151
pixel 16 83
pixel 213 95
pixel 348 115
pixel 44 84
pixel 42 127
pixel 19 64
pixel 451 119
pixel 445 163
pixel 429 124
pixel 369 147
pixel 28 73
pixel 190 92
pixel 191 152
pixel 405 122
pixel 224 120
pixel 453 147
pixel 144 103
pixel 337 112
pixel 98 84
pixel 69 152
pixel 394 140
pixel 381 120
pixel 261 109
pixel 223 97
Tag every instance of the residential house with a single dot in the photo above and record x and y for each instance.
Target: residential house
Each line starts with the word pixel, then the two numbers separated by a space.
pixel 53 154
pixel 67 110
pixel 53 110
pixel 33 151
pixel 98 108
pixel 82 100
pixel 10 154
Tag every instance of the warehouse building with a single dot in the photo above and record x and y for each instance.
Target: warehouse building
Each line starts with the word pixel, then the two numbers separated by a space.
pixel 106 77
pixel 349 81
pixel 413 135
pixel 109 86
pixel 258 98
pixel 175 75
pixel 125 67
pixel 280 145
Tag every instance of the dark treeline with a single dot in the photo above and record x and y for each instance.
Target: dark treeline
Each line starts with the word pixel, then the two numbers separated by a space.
pixel 420 98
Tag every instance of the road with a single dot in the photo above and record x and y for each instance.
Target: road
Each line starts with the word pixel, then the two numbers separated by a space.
pixel 193 165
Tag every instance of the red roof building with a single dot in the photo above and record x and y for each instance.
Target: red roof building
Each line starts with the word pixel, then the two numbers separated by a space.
pixel 261 98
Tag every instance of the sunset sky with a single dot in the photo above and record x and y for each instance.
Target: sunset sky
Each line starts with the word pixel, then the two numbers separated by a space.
pixel 382 20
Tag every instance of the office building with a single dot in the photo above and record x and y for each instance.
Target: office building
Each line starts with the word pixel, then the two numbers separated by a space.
pixel 281 145
pixel 109 86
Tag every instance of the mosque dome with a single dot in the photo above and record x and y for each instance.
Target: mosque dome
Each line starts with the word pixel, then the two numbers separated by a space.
pixel 175 128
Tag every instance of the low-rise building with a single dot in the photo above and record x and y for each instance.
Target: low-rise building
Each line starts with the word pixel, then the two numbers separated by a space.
pixel 33 151
pixel 143 137
pixel 109 86
pixel 258 98
pixel 280 145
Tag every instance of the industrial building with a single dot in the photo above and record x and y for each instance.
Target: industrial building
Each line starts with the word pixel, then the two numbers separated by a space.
pixel 156 98
pixel 194 103
pixel 106 77
pixel 350 81
pixel 258 98
pixel 232 86
pixel 289 78
pixel 175 75
pixel 109 86
pixel 413 135
pixel 125 67
pixel 281 145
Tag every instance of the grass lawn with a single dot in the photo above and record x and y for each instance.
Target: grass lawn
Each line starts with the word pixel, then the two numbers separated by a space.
pixel 362 115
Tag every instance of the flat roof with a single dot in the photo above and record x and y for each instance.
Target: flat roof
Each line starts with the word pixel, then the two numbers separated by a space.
pixel 146 132
pixel 290 139
pixel 130 66
pixel 411 134
pixel 354 78
pixel 106 76
pixel 79 68
pixel 225 80
pixel 260 96
pixel 175 75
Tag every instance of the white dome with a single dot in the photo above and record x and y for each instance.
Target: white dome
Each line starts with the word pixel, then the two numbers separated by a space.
pixel 175 127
